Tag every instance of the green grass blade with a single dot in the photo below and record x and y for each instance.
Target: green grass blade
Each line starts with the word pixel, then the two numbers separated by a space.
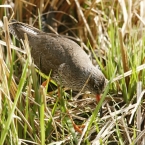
pixel 11 114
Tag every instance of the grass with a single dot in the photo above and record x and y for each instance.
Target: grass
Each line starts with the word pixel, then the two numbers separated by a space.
pixel 112 33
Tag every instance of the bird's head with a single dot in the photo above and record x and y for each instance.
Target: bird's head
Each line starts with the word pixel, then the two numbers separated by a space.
pixel 96 83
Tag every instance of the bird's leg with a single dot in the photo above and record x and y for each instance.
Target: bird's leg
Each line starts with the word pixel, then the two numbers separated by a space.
pixel 76 127
pixel 44 84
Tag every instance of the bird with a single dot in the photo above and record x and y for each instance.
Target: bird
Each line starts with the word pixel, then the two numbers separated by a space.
pixel 69 64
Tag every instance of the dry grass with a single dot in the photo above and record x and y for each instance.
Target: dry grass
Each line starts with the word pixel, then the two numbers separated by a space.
pixel 113 31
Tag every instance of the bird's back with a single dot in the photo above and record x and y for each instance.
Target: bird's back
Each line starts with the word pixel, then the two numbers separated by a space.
pixel 67 61
pixel 53 52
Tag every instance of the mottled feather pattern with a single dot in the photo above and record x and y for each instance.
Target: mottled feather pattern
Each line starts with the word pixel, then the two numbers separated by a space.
pixel 65 58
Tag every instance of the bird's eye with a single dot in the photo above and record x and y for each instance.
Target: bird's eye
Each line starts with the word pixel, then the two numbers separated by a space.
pixel 95 87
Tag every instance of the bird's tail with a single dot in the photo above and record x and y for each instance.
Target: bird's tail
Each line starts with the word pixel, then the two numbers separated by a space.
pixel 18 29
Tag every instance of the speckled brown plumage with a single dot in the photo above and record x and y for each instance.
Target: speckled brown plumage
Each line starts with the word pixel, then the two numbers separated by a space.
pixel 69 63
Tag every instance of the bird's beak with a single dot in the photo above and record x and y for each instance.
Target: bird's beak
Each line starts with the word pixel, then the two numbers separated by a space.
pixel 98 97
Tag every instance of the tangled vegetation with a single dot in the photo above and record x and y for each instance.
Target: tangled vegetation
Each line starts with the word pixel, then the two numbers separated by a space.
pixel 112 33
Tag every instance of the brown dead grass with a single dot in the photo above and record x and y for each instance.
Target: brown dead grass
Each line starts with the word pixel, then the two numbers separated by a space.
pixel 120 123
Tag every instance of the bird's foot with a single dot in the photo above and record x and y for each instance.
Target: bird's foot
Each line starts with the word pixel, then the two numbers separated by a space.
pixel 78 127
pixel 44 84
